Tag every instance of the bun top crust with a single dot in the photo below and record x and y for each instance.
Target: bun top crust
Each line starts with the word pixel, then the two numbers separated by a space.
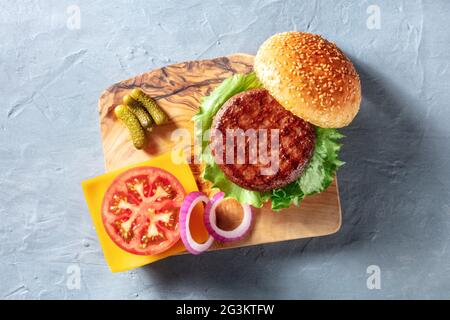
pixel 311 77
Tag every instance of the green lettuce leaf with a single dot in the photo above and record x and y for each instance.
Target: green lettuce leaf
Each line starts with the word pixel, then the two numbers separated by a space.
pixel 316 178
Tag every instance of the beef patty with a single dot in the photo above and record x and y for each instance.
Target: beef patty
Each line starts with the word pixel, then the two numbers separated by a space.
pixel 275 165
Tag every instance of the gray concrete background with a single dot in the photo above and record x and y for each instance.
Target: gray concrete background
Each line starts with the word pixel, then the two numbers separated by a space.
pixel 394 188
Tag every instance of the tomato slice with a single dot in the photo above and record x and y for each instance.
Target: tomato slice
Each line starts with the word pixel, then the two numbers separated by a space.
pixel 140 210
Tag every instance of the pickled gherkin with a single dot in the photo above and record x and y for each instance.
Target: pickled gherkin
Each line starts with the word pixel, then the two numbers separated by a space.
pixel 158 115
pixel 137 133
pixel 139 111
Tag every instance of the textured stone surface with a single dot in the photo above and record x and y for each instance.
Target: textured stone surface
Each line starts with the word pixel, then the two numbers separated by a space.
pixel 395 187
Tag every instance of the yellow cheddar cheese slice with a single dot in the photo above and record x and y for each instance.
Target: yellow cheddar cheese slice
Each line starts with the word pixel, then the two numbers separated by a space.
pixel 118 259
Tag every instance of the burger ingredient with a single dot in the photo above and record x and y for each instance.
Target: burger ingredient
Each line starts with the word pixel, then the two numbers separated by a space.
pixel 139 111
pixel 137 133
pixel 158 115
pixel 315 178
pixel 311 77
pixel 140 210
pixel 223 235
pixel 273 147
pixel 191 200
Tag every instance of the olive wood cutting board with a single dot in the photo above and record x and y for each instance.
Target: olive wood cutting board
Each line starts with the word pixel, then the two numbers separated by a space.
pixel 178 89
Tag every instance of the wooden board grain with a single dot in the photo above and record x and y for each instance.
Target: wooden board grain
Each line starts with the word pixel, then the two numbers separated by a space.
pixel 179 89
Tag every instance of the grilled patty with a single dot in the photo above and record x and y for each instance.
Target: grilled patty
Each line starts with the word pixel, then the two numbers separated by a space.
pixel 264 165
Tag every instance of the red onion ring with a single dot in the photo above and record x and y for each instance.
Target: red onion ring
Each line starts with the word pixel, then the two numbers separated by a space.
pixel 222 235
pixel 191 200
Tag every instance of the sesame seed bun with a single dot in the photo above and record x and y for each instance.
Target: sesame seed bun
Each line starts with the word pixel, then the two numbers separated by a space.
pixel 310 77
